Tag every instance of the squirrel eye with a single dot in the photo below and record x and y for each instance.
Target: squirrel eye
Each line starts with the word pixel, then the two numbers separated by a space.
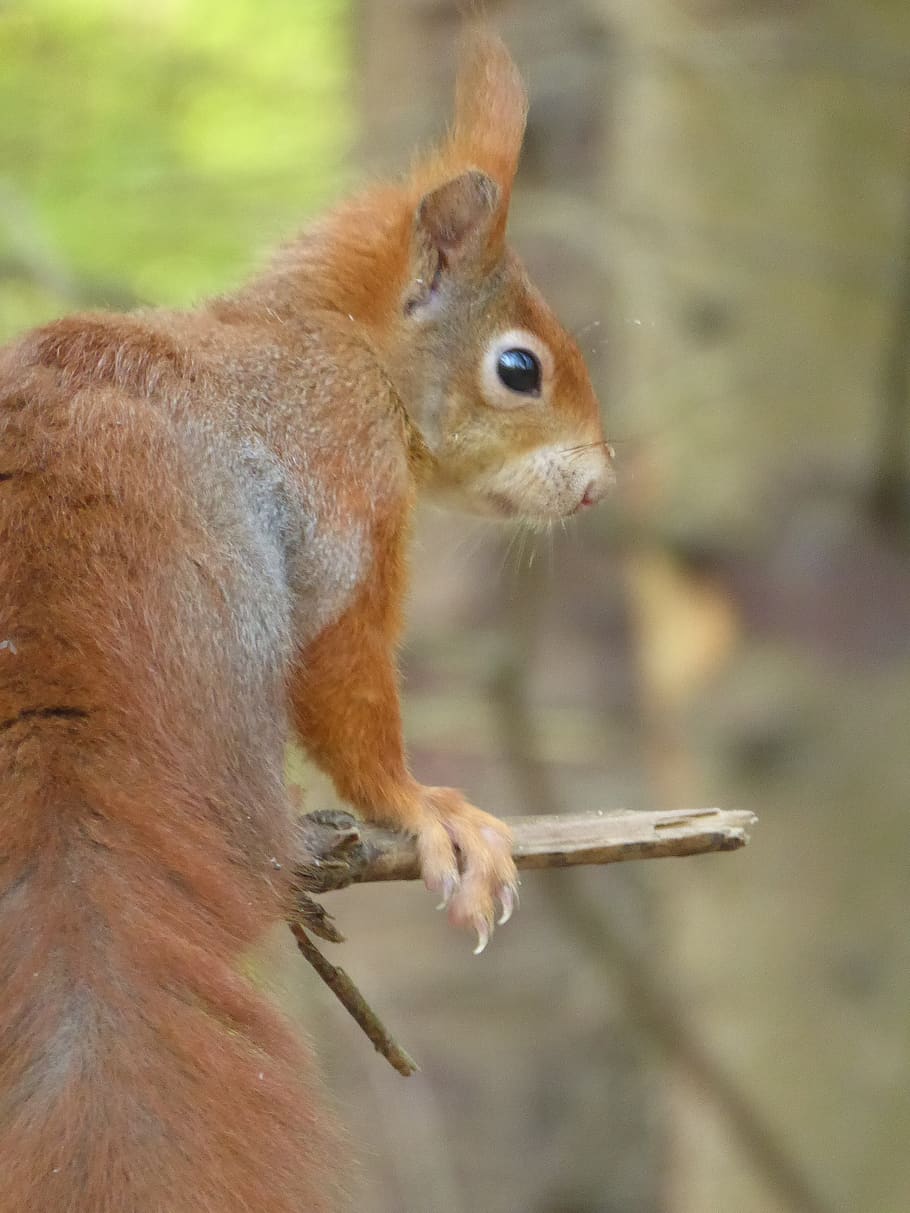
pixel 519 370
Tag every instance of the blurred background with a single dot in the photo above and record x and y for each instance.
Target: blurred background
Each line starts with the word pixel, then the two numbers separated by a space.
pixel 716 196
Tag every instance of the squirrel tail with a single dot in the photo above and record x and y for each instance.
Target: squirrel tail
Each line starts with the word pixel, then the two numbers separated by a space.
pixel 140 1072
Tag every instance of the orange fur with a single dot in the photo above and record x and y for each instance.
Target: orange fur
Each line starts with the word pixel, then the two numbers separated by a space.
pixel 491 108
pixel 203 526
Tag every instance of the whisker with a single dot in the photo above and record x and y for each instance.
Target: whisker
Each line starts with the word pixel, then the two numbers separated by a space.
pixel 513 539
pixel 634 441
pixel 524 535
pixel 468 543
pixel 584 446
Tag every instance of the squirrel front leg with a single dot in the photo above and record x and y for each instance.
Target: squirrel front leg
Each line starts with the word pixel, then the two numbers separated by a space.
pixel 347 714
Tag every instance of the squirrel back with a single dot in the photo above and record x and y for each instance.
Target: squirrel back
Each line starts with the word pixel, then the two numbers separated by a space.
pixel 203 525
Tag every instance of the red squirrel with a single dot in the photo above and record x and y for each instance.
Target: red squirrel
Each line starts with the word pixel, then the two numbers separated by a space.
pixel 204 519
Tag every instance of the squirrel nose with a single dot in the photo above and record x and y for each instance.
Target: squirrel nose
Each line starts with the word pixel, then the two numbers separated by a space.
pixel 591 496
pixel 596 491
pixel 598 487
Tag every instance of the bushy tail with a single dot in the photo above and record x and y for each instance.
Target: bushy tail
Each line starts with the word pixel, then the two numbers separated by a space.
pixel 139 1072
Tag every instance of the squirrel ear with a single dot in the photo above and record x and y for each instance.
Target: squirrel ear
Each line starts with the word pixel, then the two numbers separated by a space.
pixel 453 226
pixel 466 217
pixel 455 218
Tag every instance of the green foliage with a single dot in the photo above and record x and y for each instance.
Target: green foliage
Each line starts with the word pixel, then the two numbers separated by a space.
pixel 153 151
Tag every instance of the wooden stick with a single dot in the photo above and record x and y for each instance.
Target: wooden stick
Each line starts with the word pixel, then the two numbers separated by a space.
pixel 340 850
pixel 355 1004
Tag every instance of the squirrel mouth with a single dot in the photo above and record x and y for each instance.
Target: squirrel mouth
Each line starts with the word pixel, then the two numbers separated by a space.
pixel 589 498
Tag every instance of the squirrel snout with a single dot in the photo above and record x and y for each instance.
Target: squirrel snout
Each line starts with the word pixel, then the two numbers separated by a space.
pixel 592 495
pixel 598 486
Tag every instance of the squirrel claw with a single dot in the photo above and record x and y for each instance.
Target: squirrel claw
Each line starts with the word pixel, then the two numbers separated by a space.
pixel 466 858
pixel 449 885
pixel 508 899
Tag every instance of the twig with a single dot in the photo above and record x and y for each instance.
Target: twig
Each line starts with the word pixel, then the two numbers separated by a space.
pixel 341 851
pixel 354 1002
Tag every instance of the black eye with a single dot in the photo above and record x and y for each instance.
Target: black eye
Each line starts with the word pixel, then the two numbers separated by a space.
pixel 520 371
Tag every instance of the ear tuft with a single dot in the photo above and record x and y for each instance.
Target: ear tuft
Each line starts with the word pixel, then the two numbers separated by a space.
pixel 491 107
pixel 456 216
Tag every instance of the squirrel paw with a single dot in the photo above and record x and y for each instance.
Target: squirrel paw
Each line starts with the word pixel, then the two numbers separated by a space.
pixel 466 855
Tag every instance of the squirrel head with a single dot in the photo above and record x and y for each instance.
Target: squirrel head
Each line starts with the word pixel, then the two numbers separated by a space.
pixel 492 382
pixel 497 388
